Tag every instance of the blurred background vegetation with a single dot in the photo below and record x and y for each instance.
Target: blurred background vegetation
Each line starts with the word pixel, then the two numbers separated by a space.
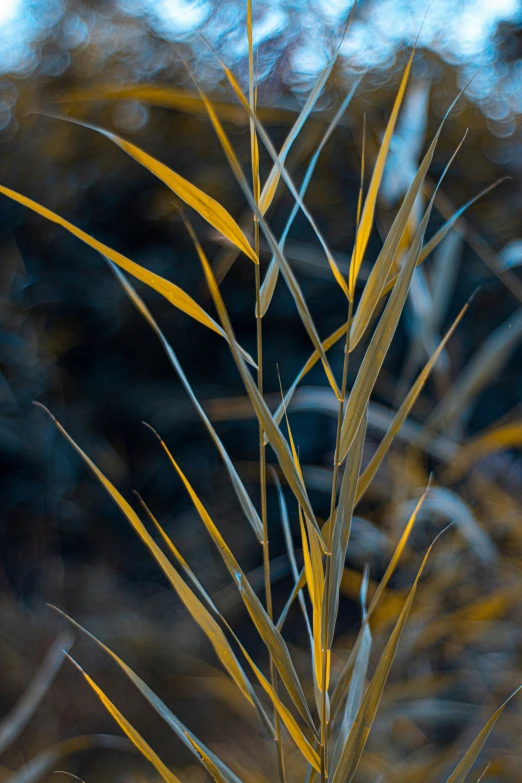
pixel 70 338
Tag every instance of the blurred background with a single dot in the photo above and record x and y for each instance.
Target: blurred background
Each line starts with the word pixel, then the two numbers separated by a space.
pixel 71 339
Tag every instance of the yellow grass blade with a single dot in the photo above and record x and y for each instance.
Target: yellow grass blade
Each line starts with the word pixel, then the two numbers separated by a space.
pixel 181 731
pixel 373 290
pixel 460 772
pixel 392 565
pixel 173 293
pixel 269 283
pixel 209 209
pixel 401 415
pixel 209 765
pixel 383 335
pixel 268 632
pixel 355 744
pixel 239 488
pixel 286 716
pixel 287 179
pixel 334 338
pixel 198 611
pixel 172 98
pixel 366 223
pixel 437 238
pixel 274 435
pixel 286 269
pixel 134 736
pixel 272 182
pixel 18 717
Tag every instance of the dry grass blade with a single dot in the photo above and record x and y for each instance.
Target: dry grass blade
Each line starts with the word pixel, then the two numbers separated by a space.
pixel 171 292
pixel 358 677
pixel 445 503
pixel 460 772
pixel 484 365
pixel 239 488
pixel 366 222
pixel 212 769
pixel 209 209
pixel 16 720
pixel 330 341
pixel 437 238
pixel 383 335
pixel 198 611
pixel 269 634
pixel 134 736
pixel 45 762
pixel 286 716
pixel 274 435
pixel 392 565
pixel 288 274
pixel 181 731
pixel 172 98
pixel 345 677
pixel 174 551
pixel 341 528
pixel 401 415
pixel 269 283
pixel 376 283
pixel 288 181
pixel 355 744
pixel 272 182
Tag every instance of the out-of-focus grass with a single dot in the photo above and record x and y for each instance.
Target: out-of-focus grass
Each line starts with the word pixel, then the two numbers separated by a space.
pixel 438 610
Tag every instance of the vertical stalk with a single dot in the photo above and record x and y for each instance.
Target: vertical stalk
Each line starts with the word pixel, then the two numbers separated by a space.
pixel 333 498
pixel 256 189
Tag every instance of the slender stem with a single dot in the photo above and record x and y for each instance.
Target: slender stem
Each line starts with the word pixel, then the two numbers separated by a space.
pixel 324 722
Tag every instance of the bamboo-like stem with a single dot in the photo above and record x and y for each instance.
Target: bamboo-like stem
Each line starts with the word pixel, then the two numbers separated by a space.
pixel 340 413
pixel 260 383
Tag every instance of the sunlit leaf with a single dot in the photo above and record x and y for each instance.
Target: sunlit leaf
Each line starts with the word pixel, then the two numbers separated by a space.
pixel 173 293
pixel 239 488
pixel 209 209
pixel 198 611
pixel 269 634
pixel 134 736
